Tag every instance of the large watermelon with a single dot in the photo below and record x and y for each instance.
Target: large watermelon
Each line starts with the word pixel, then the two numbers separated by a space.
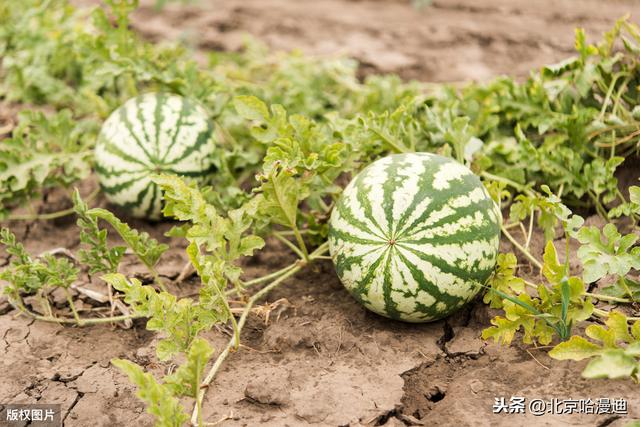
pixel 152 133
pixel 414 236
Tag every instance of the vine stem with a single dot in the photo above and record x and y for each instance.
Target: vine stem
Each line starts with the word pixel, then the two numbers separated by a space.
pixel 76 321
pixel 72 306
pixel 521 248
pixel 393 144
pixel 51 215
pixel 288 272
pixel 601 297
pixel 266 278
pixel 199 402
pixel 519 187
pixel 156 278
pixel 301 244
pixel 624 283
pixel 290 245
pixel 606 297
pixel 605 313
pixel 530 233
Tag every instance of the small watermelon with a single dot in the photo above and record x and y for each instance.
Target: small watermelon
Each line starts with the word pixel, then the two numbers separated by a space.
pixel 152 133
pixel 414 236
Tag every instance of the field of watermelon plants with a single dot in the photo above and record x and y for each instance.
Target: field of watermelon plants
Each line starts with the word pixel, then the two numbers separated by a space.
pixel 204 227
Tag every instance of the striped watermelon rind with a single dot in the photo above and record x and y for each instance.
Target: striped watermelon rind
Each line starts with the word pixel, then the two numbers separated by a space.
pixel 414 236
pixel 149 134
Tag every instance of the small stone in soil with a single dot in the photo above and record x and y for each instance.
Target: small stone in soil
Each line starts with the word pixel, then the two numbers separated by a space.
pixel 465 341
pixel 476 386
pixel 267 392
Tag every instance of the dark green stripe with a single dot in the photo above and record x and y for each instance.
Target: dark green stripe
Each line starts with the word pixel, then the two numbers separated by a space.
pixel 185 110
pixel 347 261
pixel 138 202
pixel 157 120
pixel 465 274
pixel 203 137
pixel 129 127
pixel 389 187
pixel 192 174
pixel 121 186
pixel 425 285
pixel 110 173
pixel 349 218
pixel 470 183
pixel 458 214
pixel 387 287
pixel 362 196
pixel 142 119
pixel 343 235
pixel 362 285
pixel 111 148
pixel 487 228
pixel 425 189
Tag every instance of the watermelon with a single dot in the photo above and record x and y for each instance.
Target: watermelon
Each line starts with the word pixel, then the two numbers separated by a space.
pixel 149 134
pixel 414 236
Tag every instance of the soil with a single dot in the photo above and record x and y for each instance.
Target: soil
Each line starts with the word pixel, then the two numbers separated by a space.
pixel 320 358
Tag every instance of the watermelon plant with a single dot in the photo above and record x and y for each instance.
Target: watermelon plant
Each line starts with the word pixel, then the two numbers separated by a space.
pixel 414 236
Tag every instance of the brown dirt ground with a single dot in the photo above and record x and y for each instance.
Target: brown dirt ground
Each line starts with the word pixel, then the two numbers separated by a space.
pixel 325 360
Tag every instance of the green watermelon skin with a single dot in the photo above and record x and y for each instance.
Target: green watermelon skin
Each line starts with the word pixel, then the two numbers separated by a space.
pixel 151 133
pixel 414 236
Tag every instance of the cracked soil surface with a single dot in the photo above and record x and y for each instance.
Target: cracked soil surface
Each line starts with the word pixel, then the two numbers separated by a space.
pixel 322 359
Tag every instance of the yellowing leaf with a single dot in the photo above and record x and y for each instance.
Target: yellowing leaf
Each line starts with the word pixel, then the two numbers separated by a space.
pixel 251 108
pixel 635 330
pixel 617 323
pixel 599 333
pixel 552 269
pixel 502 332
pixel 613 364
pixel 577 348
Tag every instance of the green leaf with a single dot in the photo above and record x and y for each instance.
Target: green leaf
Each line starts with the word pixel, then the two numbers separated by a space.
pixel 185 381
pixel 97 255
pixel 623 288
pixel 28 274
pixel 281 195
pixel 160 402
pixel 610 253
pixel 225 238
pixel 249 244
pixel 633 349
pixel 611 359
pixel 251 108
pixel 181 320
pixel 44 151
pixel 634 195
pixel 147 249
